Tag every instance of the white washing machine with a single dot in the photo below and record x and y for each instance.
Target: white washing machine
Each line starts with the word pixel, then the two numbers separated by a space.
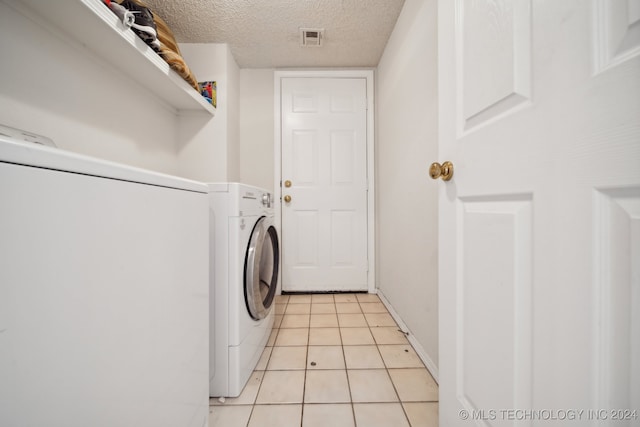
pixel 103 291
pixel 244 274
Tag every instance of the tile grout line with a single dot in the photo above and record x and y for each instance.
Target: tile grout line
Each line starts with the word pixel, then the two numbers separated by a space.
pixel 394 386
pixel 255 400
pixel 369 328
pixel 386 367
pixel 346 371
pixel 306 361
pixel 304 383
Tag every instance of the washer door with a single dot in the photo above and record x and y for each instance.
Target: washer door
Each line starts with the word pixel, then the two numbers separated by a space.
pixel 261 268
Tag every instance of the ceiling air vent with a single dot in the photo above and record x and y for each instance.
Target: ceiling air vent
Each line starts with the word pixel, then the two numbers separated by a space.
pixel 311 37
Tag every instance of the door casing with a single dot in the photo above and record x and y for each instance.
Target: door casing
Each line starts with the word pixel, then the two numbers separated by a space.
pixel 277 150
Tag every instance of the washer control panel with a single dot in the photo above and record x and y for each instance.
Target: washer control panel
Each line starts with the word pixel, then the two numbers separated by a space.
pixel 255 199
pixel 266 200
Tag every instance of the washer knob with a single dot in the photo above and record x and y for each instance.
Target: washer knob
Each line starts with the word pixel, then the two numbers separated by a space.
pixel 266 200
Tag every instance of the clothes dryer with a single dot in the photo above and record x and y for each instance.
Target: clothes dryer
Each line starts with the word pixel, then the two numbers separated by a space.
pixel 103 291
pixel 245 255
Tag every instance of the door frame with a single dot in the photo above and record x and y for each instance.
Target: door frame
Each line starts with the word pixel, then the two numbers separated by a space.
pixel 366 74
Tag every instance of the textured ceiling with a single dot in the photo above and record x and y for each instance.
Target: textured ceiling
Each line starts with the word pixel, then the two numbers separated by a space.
pixel 265 33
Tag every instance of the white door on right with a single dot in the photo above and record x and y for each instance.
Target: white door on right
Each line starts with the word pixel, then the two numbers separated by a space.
pixel 540 225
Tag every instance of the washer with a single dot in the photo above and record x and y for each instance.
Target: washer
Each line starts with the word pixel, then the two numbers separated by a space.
pixel 104 281
pixel 245 254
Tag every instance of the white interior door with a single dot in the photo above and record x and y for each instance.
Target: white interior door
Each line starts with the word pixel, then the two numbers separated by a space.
pixel 324 176
pixel 540 225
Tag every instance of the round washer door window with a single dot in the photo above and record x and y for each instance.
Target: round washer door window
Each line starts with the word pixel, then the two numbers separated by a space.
pixel 261 268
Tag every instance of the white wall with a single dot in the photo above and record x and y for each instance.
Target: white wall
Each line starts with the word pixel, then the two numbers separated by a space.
pixel 207 148
pixel 407 137
pixel 233 119
pixel 85 105
pixel 256 127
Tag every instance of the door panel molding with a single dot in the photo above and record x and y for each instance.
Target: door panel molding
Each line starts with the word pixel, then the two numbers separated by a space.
pixel 617 33
pixel 616 298
pixel 493 67
pixel 306 102
pixel 305 142
pixel 506 272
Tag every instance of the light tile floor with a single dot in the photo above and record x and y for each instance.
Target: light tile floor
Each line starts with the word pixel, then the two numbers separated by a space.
pixel 335 360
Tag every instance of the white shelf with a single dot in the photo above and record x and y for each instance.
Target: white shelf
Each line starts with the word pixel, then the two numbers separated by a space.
pixel 93 25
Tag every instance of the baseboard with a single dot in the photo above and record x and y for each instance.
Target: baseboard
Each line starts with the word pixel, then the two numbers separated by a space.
pixel 431 367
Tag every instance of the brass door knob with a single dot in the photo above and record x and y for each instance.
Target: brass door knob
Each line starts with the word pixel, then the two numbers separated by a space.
pixel 287 198
pixel 444 171
pixel 287 183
